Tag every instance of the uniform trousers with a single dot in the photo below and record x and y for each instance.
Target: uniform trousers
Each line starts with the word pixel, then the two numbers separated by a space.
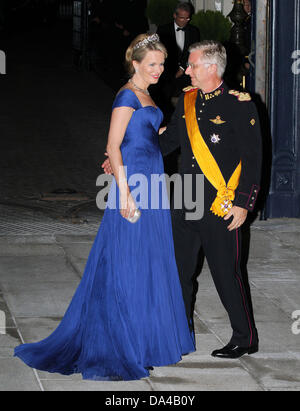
pixel 222 249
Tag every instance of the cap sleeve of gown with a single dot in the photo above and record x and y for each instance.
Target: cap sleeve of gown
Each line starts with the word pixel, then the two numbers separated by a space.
pixel 126 98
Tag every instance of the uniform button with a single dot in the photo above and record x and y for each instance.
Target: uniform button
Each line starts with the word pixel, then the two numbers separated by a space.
pixel 255 191
pixel 199 118
pixel 203 104
pixel 252 198
pixel 193 158
pixel 193 165
pixel 251 205
pixel 201 111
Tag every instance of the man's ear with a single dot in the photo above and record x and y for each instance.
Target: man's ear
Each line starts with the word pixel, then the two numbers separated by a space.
pixel 212 69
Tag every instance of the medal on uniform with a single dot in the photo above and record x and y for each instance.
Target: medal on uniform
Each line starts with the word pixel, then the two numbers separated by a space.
pixel 207 163
pixel 217 120
pixel 214 138
pixel 226 205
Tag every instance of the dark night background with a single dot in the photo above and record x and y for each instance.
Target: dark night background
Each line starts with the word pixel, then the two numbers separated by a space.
pixel 54 115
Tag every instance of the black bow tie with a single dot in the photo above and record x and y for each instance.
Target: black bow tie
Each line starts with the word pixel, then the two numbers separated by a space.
pixel 180 28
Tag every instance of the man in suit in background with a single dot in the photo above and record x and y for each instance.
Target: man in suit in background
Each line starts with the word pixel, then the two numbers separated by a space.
pixel 177 36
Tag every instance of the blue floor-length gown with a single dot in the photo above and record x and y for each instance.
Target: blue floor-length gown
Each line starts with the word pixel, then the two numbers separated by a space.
pixel 127 313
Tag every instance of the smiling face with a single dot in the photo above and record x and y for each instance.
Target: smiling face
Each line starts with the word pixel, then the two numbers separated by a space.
pixel 150 68
pixel 198 70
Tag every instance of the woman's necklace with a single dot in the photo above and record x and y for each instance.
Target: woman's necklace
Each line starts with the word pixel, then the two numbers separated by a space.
pixel 138 88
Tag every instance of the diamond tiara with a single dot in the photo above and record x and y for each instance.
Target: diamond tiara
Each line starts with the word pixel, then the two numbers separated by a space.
pixel 151 39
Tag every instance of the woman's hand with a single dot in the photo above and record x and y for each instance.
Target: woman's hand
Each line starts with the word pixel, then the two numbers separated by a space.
pixel 128 205
pixel 107 166
pixel 162 130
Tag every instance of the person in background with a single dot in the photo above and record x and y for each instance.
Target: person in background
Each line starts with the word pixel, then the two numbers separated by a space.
pixel 177 37
pixel 247 25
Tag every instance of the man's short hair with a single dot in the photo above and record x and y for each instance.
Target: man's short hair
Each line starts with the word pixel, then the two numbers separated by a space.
pixel 213 52
pixel 184 6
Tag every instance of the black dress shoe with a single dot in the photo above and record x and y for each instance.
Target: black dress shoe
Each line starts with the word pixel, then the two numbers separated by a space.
pixel 234 351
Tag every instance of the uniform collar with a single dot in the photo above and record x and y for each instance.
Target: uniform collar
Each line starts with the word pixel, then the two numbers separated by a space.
pixel 219 91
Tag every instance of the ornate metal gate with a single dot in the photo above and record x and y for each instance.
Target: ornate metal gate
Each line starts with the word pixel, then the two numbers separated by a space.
pixel 80 33
pixel 66 9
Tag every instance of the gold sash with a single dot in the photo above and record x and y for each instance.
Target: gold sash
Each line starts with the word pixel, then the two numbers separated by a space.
pixel 225 193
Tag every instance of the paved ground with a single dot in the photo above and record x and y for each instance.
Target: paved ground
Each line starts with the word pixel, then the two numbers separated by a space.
pixel 39 274
pixel 54 122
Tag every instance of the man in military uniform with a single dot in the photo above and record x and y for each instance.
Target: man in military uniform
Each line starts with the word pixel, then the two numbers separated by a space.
pixel 219 135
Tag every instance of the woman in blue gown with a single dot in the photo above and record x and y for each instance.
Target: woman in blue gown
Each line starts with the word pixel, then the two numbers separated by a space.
pixel 127 314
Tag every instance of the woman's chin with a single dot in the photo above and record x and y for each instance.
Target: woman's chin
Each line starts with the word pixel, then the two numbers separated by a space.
pixel 154 80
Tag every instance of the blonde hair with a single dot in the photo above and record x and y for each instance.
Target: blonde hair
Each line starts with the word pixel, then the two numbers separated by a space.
pixel 139 47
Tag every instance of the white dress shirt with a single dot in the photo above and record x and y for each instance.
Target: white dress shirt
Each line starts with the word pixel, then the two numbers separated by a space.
pixel 180 37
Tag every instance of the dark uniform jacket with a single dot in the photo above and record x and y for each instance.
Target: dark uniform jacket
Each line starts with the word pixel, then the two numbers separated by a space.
pixel 176 57
pixel 230 127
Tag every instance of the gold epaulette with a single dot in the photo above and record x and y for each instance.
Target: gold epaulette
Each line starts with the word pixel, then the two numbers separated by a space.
pixel 188 88
pixel 242 96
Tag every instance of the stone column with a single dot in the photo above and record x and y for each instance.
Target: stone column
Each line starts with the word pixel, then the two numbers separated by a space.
pixel 261 49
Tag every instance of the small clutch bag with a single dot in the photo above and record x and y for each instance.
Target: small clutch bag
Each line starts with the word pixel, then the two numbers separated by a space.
pixel 137 214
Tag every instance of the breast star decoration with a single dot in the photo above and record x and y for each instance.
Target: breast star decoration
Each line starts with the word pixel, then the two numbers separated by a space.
pixel 215 139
